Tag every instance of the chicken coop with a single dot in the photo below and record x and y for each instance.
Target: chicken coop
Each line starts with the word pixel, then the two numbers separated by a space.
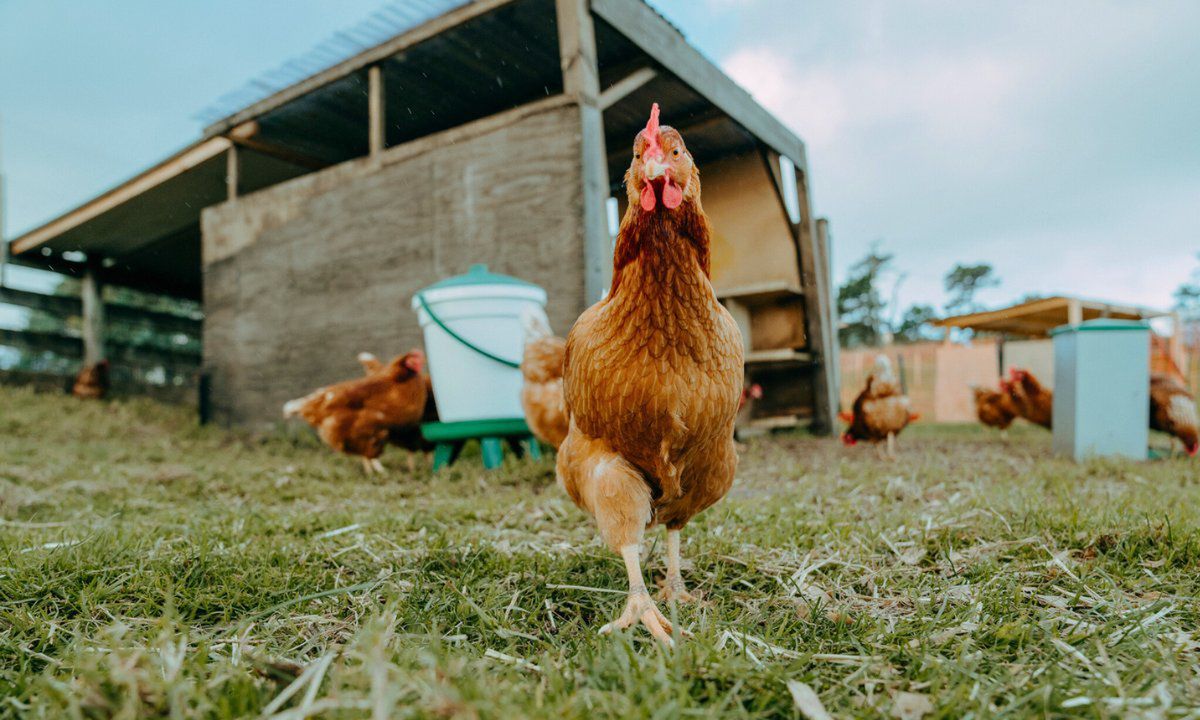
pixel 432 137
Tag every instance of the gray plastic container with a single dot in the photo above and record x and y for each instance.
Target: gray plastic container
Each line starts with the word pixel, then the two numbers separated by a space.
pixel 1102 389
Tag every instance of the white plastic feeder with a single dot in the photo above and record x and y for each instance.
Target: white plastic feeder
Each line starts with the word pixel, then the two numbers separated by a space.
pixel 475 339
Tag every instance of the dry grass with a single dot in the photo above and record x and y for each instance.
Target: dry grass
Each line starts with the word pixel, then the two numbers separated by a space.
pixel 149 568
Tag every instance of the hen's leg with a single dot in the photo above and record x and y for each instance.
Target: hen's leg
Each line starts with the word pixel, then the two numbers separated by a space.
pixel 368 468
pixel 616 494
pixel 377 466
pixel 891 446
pixel 674 587
pixel 639 606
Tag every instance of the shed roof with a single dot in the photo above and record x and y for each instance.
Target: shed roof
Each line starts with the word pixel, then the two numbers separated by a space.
pixel 1036 318
pixel 475 59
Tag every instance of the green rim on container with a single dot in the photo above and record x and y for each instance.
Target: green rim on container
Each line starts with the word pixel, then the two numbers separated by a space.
pixel 1102 324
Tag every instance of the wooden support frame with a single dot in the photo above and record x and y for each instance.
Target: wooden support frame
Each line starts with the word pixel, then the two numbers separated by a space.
pixel 247 136
pixel 91 293
pixel 581 82
pixel 376 110
pixel 825 253
pixel 638 22
pixel 621 89
pixel 176 164
pixel 814 285
pixel 382 51
pixel 233 171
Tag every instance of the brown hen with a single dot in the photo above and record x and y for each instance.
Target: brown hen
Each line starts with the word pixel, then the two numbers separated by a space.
pixel 652 376
pixel 880 411
pixel 1033 402
pixel 995 408
pixel 92 382
pixel 542 390
pixel 1173 411
pixel 356 417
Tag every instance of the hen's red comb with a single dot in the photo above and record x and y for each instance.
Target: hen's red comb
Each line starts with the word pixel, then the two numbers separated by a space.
pixel 651 132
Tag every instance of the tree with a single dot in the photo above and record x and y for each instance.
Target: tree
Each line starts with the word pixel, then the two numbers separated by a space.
pixel 1187 297
pixel 914 325
pixel 963 281
pixel 859 304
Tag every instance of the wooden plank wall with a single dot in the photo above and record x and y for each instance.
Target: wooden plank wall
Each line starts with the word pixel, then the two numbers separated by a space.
pixel 300 277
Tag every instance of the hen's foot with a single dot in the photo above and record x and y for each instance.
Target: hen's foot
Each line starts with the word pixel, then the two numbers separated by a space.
pixel 640 608
pixel 675 590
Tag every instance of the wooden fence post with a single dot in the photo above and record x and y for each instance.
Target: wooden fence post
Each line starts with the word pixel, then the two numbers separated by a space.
pixel 376 138
pixel 91 294
pixel 581 81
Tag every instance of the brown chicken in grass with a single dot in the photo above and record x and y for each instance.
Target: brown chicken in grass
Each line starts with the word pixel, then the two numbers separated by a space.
pixel 542 390
pixel 995 408
pixel 880 411
pixel 92 382
pixel 652 377
pixel 356 417
pixel 406 436
pixel 1033 402
pixel 1173 411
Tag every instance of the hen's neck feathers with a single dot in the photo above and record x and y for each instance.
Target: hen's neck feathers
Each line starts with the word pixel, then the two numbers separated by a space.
pixel 661 248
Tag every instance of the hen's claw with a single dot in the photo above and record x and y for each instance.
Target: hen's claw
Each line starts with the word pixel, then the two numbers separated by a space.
pixel 641 608
pixel 674 589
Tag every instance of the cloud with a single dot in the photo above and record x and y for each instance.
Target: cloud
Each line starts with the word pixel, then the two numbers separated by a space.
pixel 1050 140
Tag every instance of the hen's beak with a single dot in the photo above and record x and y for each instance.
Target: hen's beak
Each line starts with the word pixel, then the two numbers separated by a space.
pixel 654 168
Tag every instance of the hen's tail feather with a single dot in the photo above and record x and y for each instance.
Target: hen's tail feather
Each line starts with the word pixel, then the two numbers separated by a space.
pixel 535 325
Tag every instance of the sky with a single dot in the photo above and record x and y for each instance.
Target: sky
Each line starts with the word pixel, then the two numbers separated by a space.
pixel 1059 142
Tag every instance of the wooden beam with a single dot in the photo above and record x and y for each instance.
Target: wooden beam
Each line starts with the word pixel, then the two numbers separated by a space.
pixel 233 172
pixel 638 22
pixel 382 51
pixel 621 89
pixel 825 252
pixel 72 347
pixel 814 284
pixel 375 110
pixel 581 82
pixel 279 152
pixel 90 294
pixel 167 169
pixel 822 339
pixel 1074 311
pixel 115 275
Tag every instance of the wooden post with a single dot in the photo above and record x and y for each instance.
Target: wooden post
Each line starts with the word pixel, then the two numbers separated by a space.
pixel 581 81
pixel 825 251
pixel 1074 311
pixel 232 172
pixel 91 293
pixel 375 110
pixel 822 340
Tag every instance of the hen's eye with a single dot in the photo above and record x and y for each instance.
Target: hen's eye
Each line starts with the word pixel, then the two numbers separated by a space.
pixel 637 156
pixel 675 152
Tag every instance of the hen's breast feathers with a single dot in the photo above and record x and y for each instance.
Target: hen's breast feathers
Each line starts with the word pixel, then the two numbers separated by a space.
pixel 654 366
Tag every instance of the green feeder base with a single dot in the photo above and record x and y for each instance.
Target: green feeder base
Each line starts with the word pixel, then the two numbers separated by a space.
pixel 493 435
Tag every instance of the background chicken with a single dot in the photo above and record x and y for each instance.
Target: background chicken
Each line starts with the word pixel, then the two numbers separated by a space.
pixel 880 411
pixel 995 408
pixel 92 382
pixel 652 376
pixel 1173 411
pixel 356 417
pixel 1033 402
pixel 406 436
pixel 542 391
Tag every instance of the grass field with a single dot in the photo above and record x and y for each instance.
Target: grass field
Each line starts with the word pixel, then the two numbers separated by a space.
pixel 150 568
